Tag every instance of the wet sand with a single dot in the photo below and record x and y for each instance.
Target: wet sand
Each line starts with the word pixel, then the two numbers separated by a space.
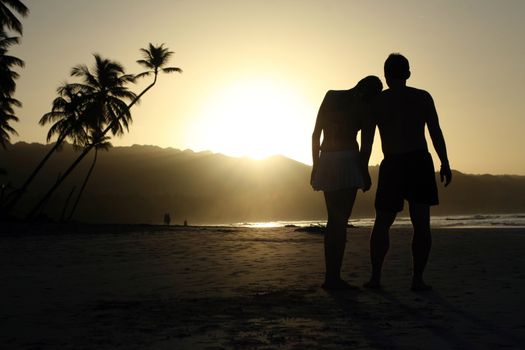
pixel 143 287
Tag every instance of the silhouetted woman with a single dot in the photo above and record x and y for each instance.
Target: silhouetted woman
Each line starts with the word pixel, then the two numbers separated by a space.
pixel 337 167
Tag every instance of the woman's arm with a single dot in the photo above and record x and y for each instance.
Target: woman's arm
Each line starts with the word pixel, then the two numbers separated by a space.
pixel 367 139
pixel 316 136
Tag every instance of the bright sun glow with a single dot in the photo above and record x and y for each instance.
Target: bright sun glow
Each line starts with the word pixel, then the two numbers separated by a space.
pixel 256 118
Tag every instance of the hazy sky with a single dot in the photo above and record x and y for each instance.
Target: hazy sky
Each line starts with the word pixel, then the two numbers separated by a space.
pixel 255 72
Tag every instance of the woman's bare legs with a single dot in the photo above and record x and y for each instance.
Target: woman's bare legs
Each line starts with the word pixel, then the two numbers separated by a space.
pixel 339 206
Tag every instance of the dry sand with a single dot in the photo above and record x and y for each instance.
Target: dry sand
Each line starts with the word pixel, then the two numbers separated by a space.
pixel 228 288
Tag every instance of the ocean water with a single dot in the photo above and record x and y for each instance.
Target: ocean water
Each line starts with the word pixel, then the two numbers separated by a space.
pixel 478 220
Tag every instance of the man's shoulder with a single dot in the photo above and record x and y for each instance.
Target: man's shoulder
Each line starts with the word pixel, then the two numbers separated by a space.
pixel 412 93
pixel 408 90
pixel 420 93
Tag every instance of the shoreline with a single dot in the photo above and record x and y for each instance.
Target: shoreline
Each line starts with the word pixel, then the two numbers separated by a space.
pixel 17 228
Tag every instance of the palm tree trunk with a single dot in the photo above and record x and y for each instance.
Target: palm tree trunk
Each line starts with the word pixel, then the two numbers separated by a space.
pixel 17 194
pixel 81 156
pixel 66 204
pixel 83 186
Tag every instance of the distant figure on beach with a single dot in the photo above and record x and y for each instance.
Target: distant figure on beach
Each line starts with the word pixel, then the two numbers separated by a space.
pixel 407 170
pixel 167 219
pixel 338 168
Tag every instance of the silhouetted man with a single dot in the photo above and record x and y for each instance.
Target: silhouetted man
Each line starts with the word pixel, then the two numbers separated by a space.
pixel 407 170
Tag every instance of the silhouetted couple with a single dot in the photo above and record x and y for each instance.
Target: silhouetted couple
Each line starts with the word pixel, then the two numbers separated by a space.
pixel 340 168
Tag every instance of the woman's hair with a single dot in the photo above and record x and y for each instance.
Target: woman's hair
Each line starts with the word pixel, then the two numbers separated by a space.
pixel 370 85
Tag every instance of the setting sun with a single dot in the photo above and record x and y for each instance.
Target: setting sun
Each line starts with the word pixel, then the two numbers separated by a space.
pixel 256 118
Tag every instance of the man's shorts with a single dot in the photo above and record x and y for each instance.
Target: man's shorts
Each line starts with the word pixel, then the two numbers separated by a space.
pixel 407 176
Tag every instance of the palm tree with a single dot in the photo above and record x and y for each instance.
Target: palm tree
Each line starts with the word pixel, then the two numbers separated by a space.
pixel 8 18
pixel 7 75
pixel 105 88
pixel 103 102
pixel 6 115
pixel 155 58
pixel 81 107
pixel 100 143
pixel 66 116
pixel 7 87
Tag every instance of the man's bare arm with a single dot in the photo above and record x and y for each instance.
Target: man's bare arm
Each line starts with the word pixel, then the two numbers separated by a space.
pixel 439 143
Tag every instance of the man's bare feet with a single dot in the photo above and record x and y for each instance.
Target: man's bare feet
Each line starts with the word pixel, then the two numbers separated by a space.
pixel 372 284
pixel 420 286
pixel 338 284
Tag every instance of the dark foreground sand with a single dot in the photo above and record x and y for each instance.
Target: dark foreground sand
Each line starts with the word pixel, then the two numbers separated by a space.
pixel 222 288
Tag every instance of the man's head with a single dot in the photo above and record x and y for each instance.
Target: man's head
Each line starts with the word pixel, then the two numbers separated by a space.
pixel 369 87
pixel 397 69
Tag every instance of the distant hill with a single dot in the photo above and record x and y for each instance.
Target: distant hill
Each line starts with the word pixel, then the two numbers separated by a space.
pixel 138 184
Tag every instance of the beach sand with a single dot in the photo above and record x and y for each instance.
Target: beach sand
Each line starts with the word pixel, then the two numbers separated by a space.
pixel 141 287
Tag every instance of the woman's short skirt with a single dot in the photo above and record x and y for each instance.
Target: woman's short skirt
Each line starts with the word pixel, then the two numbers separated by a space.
pixel 338 170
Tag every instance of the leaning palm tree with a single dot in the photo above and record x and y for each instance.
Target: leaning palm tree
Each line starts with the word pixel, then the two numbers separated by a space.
pixel 79 107
pixel 67 115
pixel 106 93
pixel 104 107
pixel 67 124
pixel 8 18
pixel 100 143
pixel 155 58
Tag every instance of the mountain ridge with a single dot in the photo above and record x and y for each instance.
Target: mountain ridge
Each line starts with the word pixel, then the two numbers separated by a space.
pixel 139 183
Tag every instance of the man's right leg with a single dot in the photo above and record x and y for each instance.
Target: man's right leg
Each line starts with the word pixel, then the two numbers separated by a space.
pixel 421 243
pixel 379 244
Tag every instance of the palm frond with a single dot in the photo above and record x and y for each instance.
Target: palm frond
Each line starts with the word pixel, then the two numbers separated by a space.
pixel 172 70
pixel 104 146
pixel 143 74
pixel 155 57
pixel 82 71
pixel 6 42
pixel 51 117
pixel 9 101
pixel 11 61
pixel 8 18
pixel 146 63
pixel 18 6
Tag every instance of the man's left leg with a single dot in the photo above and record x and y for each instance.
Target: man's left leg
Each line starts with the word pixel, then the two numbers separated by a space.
pixel 421 243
